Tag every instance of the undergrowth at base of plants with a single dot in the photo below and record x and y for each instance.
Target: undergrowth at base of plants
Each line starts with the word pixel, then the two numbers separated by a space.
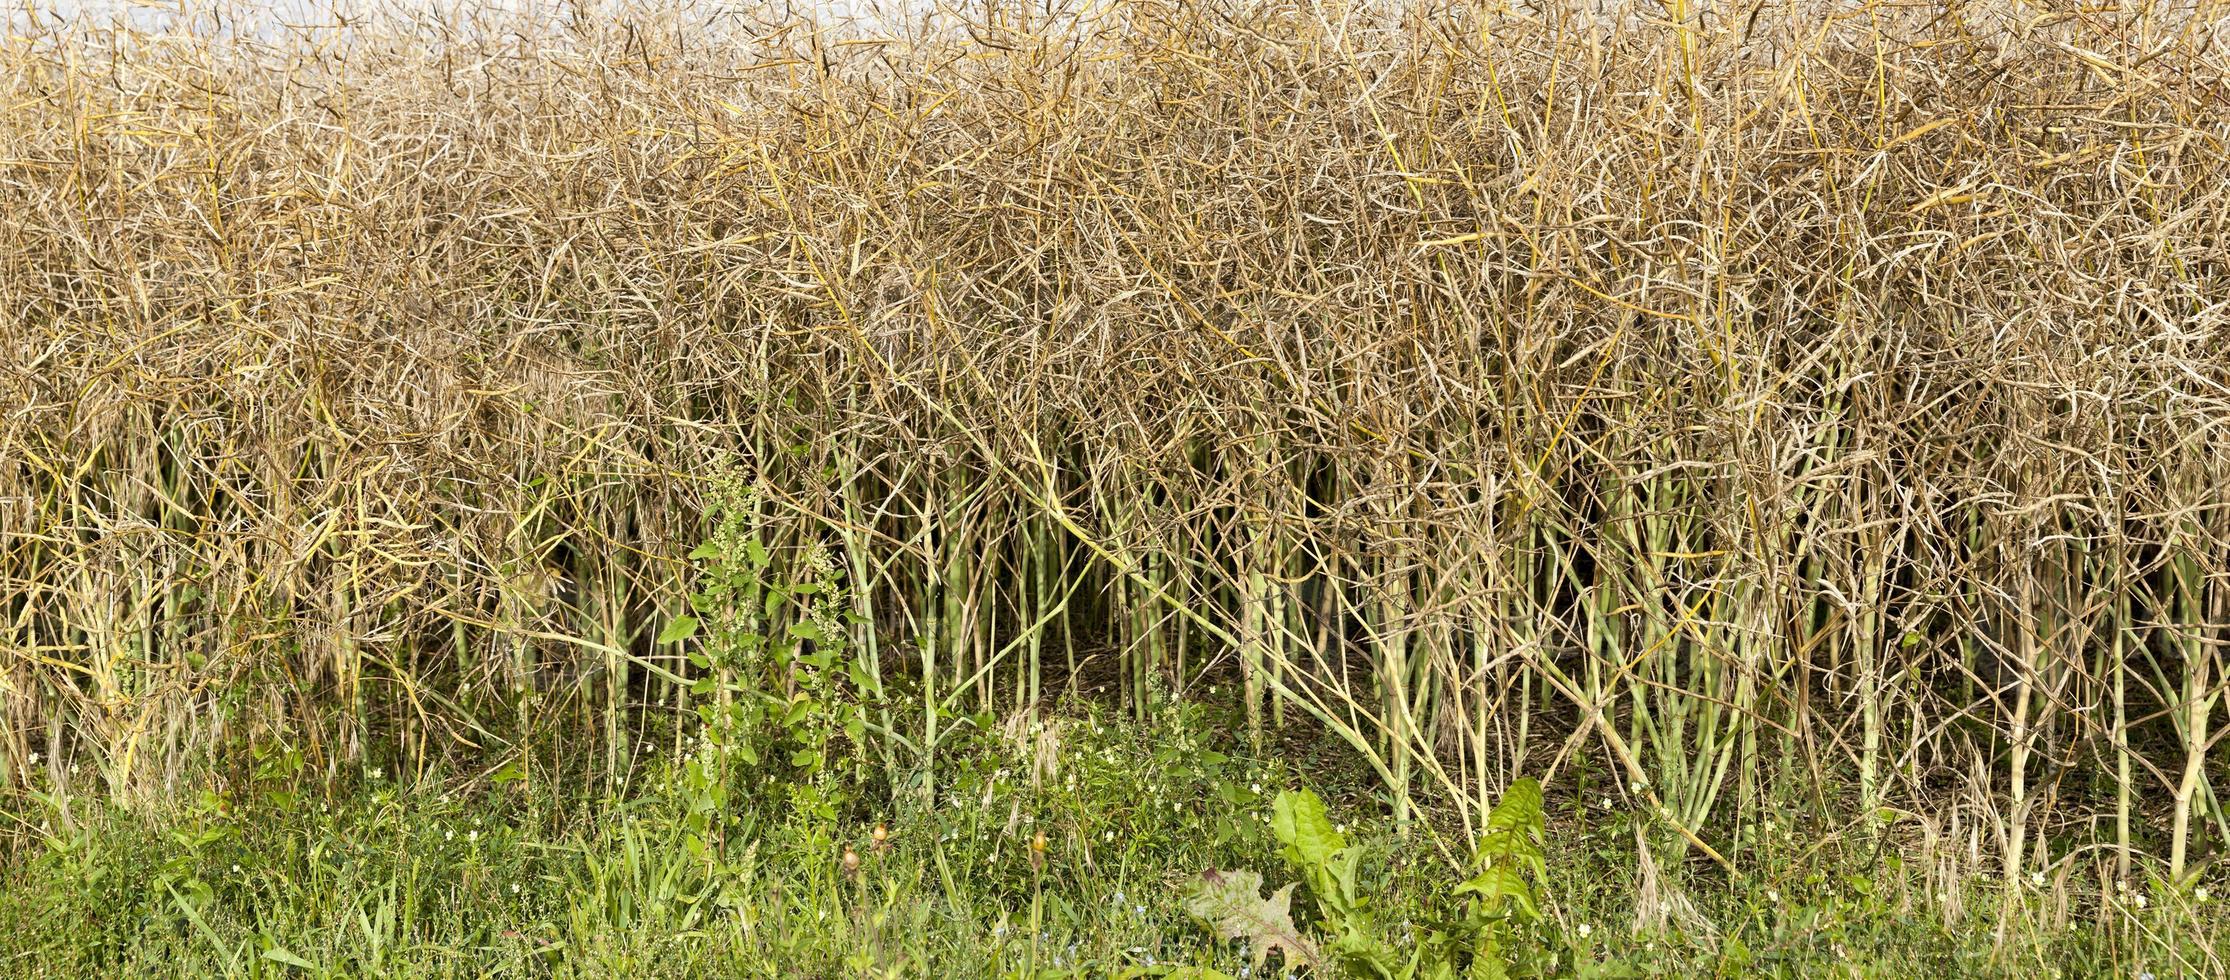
pixel 1070 843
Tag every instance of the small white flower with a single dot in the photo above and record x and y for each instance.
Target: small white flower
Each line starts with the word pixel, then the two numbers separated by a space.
pixel 2036 878
pixel 514 888
pixel 375 772
pixel 2140 901
pixel 472 836
pixel 34 758
pixel 448 835
pixel 2200 894
pixel 235 869
pixel 1772 896
pixel 1586 930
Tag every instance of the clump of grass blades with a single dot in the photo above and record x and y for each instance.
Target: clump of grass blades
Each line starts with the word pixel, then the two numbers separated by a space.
pixel 1829 396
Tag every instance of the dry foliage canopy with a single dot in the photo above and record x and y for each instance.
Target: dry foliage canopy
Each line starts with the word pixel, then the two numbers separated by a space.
pixel 1830 389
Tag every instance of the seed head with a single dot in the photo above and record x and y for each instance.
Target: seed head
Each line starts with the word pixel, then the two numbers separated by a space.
pixel 851 862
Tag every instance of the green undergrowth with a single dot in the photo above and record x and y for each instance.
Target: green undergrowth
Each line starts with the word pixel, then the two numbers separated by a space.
pixel 473 878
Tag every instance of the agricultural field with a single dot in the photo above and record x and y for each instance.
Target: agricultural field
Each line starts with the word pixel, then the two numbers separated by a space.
pixel 1207 489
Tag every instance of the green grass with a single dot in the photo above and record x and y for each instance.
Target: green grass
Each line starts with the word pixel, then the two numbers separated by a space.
pixel 464 878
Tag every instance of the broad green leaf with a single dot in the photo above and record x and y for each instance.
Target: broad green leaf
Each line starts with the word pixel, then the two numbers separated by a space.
pixel 1336 888
pixel 1317 849
pixel 1514 829
pixel 1299 821
pixel 862 679
pixel 1489 964
pixel 1519 812
pixel 1498 886
pixel 1359 945
pixel 679 629
pixel 1231 904
pixel 798 710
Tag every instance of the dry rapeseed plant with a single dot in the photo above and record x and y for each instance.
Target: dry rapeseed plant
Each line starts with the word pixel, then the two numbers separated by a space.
pixel 1831 395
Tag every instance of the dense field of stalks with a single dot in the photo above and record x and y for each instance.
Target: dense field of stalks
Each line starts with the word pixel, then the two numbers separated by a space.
pixel 1815 403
